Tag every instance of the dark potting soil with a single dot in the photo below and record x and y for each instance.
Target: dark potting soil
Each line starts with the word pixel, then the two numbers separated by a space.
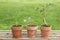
pixel 16 25
pixel 31 25
pixel 45 25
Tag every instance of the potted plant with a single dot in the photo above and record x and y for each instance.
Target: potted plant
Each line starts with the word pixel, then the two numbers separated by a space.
pixel 45 28
pixel 16 31
pixel 31 28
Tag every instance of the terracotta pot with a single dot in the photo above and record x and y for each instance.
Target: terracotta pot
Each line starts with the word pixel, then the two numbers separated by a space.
pixel 45 30
pixel 17 31
pixel 31 31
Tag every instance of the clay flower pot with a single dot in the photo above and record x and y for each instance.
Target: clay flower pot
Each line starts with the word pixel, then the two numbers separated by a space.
pixel 31 31
pixel 45 30
pixel 16 31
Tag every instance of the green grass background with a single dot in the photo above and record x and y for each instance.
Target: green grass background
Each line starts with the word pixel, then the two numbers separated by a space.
pixel 28 12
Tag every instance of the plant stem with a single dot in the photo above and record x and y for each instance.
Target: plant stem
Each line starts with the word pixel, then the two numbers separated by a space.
pixel 44 13
pixel 45 21
pixel 16 18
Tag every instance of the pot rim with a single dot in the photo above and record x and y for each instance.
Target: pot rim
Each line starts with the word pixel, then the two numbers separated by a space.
pixel 42 25
pixel 14 25
pixel 31 25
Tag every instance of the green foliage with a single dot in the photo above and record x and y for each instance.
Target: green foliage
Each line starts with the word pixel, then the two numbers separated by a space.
pixel 10 11
pixel 43 11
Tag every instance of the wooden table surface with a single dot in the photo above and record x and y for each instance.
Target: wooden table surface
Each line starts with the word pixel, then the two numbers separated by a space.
pixel 7 35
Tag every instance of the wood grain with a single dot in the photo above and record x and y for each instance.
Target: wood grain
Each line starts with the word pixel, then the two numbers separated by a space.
pixel 7 35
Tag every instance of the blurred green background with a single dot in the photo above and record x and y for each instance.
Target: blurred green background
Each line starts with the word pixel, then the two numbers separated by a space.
pixel 28 12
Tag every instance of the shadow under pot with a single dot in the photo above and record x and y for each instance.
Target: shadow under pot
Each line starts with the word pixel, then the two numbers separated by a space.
pixel 45 30
pixel 31 31
pixel 16 31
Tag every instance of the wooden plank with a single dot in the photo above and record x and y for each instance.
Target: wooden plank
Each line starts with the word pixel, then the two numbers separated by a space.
pixel 51 38
pixel 7 35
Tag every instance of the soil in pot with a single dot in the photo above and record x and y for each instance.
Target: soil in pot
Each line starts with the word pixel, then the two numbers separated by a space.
pixel 31 31
pixel 45 30
pixel 16 31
